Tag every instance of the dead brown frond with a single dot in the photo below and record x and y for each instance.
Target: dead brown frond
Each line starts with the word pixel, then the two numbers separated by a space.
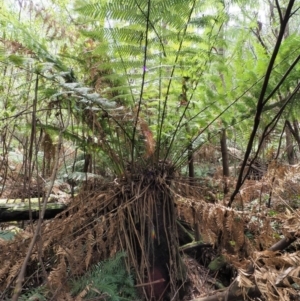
pixel 283 183
pixel 207 153
pixel 135 213
pixel 277 275
pixel 149 139
pixel 237 232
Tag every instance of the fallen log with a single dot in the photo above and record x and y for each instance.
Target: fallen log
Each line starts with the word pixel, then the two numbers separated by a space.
pixel 20 212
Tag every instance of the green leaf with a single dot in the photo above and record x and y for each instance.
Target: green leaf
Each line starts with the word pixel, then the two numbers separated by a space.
pixel 16 59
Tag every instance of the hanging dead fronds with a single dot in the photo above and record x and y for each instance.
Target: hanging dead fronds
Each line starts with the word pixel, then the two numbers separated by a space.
pixel 135 214
pixel 227 228
pixel 149 139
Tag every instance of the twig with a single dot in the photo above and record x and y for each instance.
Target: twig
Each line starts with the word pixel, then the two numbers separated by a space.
pixel 149 283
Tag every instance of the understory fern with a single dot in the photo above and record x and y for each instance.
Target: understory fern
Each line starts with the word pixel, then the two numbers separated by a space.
pixel 38 293
pixel 109 279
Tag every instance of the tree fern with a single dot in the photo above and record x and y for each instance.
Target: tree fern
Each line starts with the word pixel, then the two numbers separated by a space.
pixel 160 28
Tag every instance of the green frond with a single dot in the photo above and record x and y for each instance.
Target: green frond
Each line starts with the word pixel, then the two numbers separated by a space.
pixel 129 50
pixel 79 140
pixel 93 10
pixel 2 53
pixel 202 21
pixel 17 60
pixel 38 293
pixel 126 34
pixel 109 278
pixel 78 176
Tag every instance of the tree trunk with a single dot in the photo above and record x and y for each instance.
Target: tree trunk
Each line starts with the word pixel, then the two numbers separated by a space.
pixel 289 146
pixel 87 162
pixel 294 129
pixel 224 153
pixel 191 161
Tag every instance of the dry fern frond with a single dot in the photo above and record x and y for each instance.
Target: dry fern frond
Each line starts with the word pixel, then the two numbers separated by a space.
pixel 149 139
pixel 14 270
pixel 276 259
pixel 244 281
pixel 288 277
pixel 265 281
pixel 4 268
pixel 269 276
pixel 290 220
pixel 89 245
pixel 219 217
pixel 134 216
pixel 226 227
pixel 276 284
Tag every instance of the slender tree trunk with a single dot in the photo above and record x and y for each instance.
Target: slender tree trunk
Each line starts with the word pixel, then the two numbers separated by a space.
pixel 289 146
pixel 294 129
pixel 224 153
pixel 225 163
pixel 296 132
pixel 87 162
pixel 191 161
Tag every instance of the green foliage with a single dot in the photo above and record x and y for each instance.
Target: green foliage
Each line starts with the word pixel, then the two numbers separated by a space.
pixel 154 47
pixel 217 263
pixel 34 294
pixel 80 177
pixel 7 234
pixel 131 63
pixel 109 278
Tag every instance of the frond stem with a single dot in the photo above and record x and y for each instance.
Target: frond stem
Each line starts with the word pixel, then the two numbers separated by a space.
pixel 143 80
pixel 218 116
pixel 187 106
pixel 154 29
pixel 268 129
pixel 171 77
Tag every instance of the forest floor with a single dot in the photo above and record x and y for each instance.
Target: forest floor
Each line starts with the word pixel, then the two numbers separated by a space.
pixel 228 251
